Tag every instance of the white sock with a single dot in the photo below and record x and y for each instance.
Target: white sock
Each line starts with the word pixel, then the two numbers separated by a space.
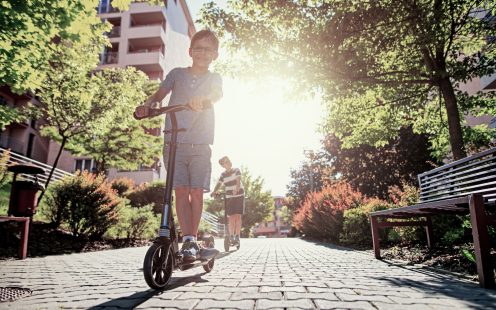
pixel 188 238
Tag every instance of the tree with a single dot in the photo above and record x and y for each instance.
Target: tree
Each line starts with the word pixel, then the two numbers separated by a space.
pixel 317 168
pixel 29 38
pixel 373 170
pixel 68 102
pixel 381 65
pixel 125 142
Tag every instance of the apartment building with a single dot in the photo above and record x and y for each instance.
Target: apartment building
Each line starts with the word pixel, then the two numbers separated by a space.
pixel 276 227
pixel 153 39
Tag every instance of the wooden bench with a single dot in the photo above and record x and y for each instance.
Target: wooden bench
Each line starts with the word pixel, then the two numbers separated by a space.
pixel 23 250
pixel 466 186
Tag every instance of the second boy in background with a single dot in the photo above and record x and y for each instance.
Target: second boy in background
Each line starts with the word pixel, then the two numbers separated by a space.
pixel 235 196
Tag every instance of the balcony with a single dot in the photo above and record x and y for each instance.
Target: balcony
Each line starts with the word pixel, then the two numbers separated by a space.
pixel 146 61
pixel 109 58
pixel 115 32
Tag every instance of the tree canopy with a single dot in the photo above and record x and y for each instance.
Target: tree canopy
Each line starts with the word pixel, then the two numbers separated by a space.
pixel 381 65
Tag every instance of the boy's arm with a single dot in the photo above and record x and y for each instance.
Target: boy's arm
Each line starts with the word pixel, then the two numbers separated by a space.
pixel 214 192
pixel 158 96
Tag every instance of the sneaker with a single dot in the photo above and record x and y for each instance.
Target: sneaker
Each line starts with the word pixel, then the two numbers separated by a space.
pixel 236 239
pixel 189 250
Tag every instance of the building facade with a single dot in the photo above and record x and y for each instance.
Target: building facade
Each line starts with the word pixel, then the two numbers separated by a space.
pixel 276 227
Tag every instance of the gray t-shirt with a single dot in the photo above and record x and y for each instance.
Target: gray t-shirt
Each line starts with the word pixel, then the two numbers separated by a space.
pixel 183 85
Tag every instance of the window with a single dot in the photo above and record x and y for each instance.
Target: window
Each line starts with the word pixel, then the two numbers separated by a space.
pixel 84 164
pixel 30 145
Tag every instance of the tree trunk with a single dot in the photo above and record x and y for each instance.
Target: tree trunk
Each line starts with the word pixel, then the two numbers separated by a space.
pixel 64 140
pixel 454 125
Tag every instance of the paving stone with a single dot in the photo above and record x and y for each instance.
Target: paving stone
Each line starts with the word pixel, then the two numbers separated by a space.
pixel 226 304
pixel 271 304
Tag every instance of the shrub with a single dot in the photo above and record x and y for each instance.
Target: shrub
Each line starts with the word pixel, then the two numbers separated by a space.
pixel 122 186
pixel 356 224
pixel 5 175
pixel 148 193
pixel 321 215
pixel 86 203
pixel 135 223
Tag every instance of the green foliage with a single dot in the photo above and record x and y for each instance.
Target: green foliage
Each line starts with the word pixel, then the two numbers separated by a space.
pixel 30 33
pixel 4 173
pixel 468 255
pixel 321 215
pixel 85 203
pixel 123 142
pixel 258 202
pixel 122 186
pixel 356 223
pixel 148 193
pixel 135 223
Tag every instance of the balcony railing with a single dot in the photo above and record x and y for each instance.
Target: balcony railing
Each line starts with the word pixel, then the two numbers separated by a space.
pixel 109 58
pixel 115 32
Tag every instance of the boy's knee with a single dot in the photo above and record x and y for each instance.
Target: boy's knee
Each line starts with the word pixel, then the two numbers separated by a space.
pixel 181 190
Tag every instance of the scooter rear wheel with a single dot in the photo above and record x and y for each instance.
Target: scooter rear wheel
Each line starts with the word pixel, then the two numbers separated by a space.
pixel 209 244
pixel 158 265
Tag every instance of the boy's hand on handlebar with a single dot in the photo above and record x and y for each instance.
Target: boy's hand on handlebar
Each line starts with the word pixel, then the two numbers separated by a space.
pixel 196 103
pixel 142 111
pixel 214 194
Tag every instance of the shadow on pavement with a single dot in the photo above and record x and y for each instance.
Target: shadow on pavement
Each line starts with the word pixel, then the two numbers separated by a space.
pixel 136 299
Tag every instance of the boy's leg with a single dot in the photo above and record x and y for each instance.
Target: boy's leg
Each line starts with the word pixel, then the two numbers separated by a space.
pixel 232 226
pixel 196 209
pixel 184 210
pixel 237 228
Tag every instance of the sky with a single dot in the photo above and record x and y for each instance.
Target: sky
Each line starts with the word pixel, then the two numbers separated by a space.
pixel 260 129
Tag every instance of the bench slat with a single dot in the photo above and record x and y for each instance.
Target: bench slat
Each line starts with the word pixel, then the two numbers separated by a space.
pixel 463 191
pixel 454 178
pixel 448 185
pixel 464 160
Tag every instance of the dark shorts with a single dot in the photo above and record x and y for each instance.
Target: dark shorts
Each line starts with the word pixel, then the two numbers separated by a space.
pixel 235 205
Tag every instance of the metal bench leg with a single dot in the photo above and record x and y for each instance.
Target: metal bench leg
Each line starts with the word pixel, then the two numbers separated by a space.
pixel 23 251
pixel 481 241
pixel 375 237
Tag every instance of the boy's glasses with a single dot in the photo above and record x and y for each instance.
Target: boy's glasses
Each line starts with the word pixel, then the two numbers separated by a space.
pixel 203 50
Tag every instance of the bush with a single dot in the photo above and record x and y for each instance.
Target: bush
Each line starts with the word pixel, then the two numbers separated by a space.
pixel 122 186
pixel 85 203
pixel 321 215
pixel 145 194
pixel 135 223
pixel 356 224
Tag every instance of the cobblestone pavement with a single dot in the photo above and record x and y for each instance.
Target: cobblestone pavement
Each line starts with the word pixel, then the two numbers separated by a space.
pixel 263 274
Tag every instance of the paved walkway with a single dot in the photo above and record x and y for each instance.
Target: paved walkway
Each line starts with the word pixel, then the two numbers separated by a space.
pixel 263 274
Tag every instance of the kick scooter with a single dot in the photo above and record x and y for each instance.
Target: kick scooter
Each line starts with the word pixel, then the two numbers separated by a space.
pixel 164 256
pixel 228 242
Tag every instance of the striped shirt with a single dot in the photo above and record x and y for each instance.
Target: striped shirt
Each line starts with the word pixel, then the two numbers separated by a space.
pixel 228 179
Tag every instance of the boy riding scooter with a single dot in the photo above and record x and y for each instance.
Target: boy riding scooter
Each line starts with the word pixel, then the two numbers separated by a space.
pixel 234 198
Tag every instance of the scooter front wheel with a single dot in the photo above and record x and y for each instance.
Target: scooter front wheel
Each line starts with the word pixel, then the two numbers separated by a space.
pixel 158 265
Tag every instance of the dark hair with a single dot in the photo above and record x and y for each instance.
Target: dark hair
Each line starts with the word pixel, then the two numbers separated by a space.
pixel 202 34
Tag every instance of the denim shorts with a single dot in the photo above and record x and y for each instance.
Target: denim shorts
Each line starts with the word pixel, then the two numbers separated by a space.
pixel 193 167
